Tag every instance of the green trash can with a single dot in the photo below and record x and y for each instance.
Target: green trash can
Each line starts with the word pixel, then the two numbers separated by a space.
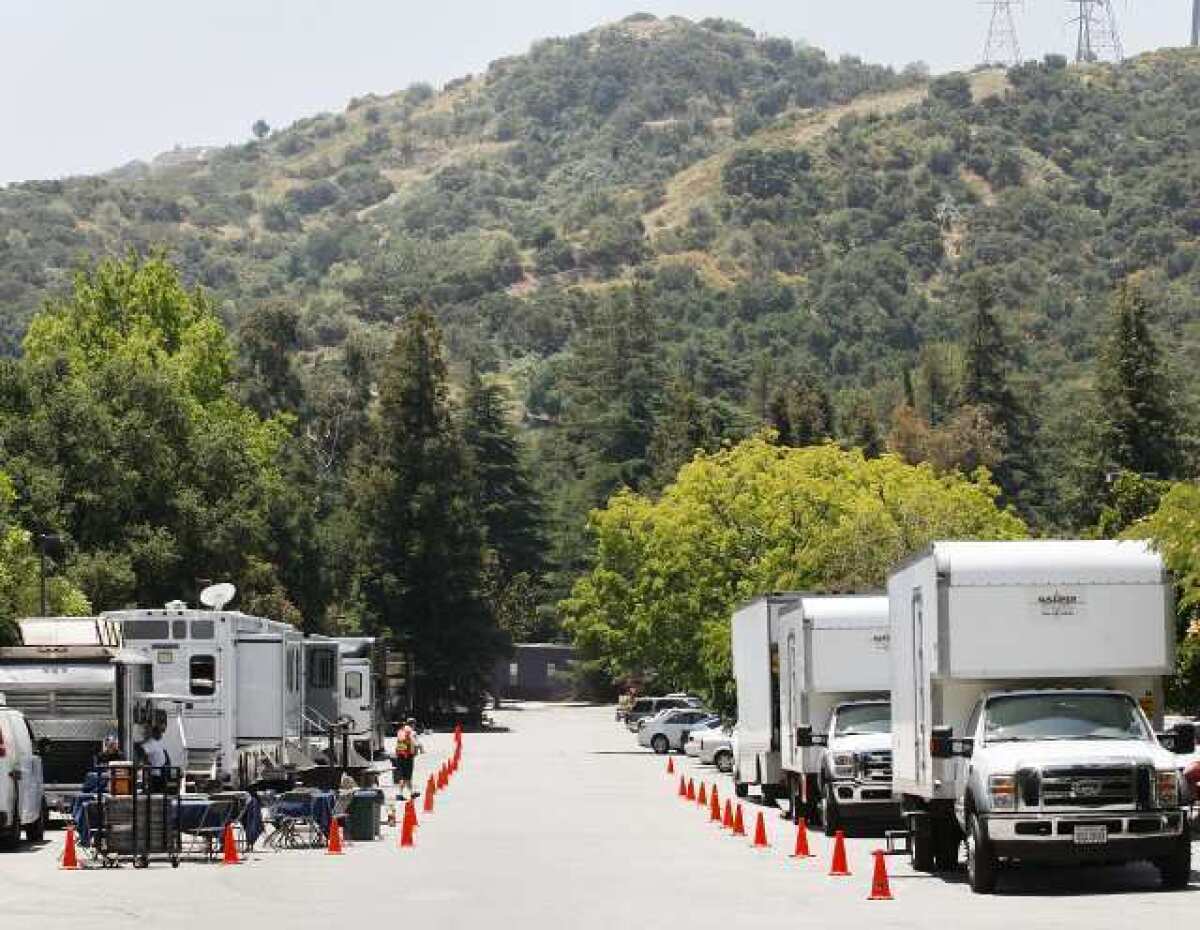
pixel 364 815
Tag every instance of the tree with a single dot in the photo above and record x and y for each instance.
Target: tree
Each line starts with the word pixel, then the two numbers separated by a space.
pixel 261 129
pixel 419 567
pixel 801 412
pixel 752 518
pixel 860 425
pixel 1139 430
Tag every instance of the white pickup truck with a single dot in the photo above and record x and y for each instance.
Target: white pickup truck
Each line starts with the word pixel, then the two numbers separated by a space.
pixel 1026 677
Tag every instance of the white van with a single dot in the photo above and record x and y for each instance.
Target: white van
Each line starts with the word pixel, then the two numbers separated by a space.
pixel 22 805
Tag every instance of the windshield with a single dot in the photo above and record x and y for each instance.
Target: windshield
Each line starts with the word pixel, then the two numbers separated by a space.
pixel 1019 717
pixel 863 718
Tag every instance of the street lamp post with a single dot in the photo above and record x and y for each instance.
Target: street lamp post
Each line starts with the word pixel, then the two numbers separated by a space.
pixel 45 541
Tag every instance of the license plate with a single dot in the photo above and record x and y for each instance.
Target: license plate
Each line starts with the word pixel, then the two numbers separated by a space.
pixel 1091 835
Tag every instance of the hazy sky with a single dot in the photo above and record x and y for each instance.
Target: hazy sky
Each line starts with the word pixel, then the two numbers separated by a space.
pixel 87 85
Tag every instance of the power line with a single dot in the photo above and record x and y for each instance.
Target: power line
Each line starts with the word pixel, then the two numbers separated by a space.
pixel 1002 46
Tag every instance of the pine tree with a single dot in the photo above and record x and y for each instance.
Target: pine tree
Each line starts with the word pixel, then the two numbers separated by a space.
pixel 1140 431
pixel 507 504
pixel 860 425
pixel 802 413
pixel 419 566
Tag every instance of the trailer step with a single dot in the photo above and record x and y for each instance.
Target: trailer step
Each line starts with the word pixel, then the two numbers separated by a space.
pixel 897 843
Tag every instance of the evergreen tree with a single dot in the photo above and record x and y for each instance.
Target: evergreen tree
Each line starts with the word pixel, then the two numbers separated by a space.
pixel 683 426
pixel 419 566
pixel 802 413
pixel 860 426
pixel 1139 430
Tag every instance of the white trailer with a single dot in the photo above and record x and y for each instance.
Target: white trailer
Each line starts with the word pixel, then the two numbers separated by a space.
pixel 835 679
pixel 754 635
pixel 1048 659
pixel 362 670
pixel 240 683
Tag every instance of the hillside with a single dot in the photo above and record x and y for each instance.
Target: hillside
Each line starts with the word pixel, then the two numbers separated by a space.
pixel 774 213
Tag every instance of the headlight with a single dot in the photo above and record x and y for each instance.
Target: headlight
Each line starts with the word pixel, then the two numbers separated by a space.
pixel 1166 785
pixel 844 764
pixel 1004 792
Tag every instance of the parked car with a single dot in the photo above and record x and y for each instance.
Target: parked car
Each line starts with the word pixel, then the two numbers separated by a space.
pixel 692 746
pixel 22 801
pixel 669 730
pixel 649 706
pixel 716 748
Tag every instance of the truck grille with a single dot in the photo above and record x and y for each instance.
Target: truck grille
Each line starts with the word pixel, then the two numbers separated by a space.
pixel 877 766
pixel 75 704
pixel 1088 786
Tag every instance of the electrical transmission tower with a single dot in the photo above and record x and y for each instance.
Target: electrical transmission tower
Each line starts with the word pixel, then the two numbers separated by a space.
pixel 1195 23
pixel 1098 38
pixel 1002 47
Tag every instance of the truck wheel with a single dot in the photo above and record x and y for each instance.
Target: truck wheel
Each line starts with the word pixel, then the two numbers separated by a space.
pixel 740 788
pixel 831 819
pixel 660 744
pixel 920 843
pixel 724 762
pixel 1175 870
pixel 946 840
pixel 36 831
pixel 981 863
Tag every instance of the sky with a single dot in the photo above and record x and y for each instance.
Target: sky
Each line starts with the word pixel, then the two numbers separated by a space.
pixel 87 85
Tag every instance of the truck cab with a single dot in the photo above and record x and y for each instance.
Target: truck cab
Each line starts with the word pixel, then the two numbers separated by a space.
pixel 1067 775
pixel 855 767
pixel 22 806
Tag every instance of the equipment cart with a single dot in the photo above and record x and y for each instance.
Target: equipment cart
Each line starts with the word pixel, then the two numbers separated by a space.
pixel 139 817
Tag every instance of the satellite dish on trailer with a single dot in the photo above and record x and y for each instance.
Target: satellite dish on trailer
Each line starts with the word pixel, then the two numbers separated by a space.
pixel 217 596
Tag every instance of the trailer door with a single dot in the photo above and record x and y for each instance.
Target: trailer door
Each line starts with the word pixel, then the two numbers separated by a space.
pixel 920 684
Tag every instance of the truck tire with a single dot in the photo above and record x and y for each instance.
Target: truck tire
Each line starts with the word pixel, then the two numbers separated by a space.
pixel 36 831
pixel 947 839
pixel 1175 870
pixel 981 861
pixel 740 788
pixel 920 843
pixel 831 818
pixel 660 744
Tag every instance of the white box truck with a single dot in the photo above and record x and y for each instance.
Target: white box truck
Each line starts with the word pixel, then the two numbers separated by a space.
pixel 835 711
pixel 1026 680
pixel 754 634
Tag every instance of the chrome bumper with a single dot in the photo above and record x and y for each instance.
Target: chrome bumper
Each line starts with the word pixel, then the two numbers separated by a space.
pixel 1049 828
pixel 864 793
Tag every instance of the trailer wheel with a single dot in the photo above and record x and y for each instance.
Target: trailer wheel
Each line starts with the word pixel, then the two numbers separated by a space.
pixel 831 820
pixel 920 843
pixel 1175 870
pixel 981 862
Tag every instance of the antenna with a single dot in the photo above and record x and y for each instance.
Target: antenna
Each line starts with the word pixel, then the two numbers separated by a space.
pixel 217 596
pixel 1097 36
pixel 1001 46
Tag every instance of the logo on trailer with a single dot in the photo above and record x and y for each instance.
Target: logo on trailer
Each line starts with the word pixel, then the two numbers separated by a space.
pixel 1059 602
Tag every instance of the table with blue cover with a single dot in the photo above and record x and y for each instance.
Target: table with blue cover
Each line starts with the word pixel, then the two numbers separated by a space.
pixel 316 806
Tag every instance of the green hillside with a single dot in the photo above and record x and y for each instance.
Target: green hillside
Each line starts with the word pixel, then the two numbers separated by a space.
pixel 660 234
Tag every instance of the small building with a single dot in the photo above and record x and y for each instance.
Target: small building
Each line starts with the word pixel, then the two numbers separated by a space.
pixel 535 672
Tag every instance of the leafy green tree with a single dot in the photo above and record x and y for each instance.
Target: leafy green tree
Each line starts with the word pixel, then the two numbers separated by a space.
pixel 261 129
pixel 755 517
pixel 419 567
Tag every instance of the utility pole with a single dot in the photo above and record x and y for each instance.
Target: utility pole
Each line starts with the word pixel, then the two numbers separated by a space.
pixel 1001 46
pixel 45 541
pixel 1195 23
pixel 1097 38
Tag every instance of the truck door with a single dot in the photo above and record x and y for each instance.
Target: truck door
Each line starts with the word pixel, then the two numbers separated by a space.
pixel 920 734
pixel 31 789
pixel 356 696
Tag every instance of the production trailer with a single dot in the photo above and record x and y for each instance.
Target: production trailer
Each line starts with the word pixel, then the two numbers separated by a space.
pixel 754 635
pixel 1027 678
pixel 834 710
pixel 363 664
pixel 75 682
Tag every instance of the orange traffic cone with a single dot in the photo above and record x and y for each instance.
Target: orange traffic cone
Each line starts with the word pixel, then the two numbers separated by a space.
pixel 760 832
pixel 441 778
pixel 408 826
pixel 839 866
pixel 430 790
pixel 70 857
pixel 702 797
pixel 458 733
pixel 410 813
pixel 714 807
pixel 802 851
pixel 691 790
pixel 682 788
pixel 880 889
pixel 229 850
pixel 727 820
pixel 739 827
pixel 670 766
pixel 335 838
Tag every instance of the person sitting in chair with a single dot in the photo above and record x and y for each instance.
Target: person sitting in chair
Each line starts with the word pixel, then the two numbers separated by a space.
pixel 155 756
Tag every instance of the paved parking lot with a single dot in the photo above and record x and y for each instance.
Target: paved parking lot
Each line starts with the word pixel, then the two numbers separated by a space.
pixel 558 818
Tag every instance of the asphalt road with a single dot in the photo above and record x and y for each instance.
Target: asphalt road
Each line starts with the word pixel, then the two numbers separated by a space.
pixel 557 818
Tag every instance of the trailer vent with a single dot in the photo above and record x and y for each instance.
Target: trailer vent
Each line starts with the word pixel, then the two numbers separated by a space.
pixel 88 703
pixel 1088 786
pixel 33 704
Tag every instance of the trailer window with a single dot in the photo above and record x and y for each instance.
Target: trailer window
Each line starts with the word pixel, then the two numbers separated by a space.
pixel 147 629
pixel 1062 715
pixel 147 685
pixel 179 629
pixel 202 629
pixel 353 686
pixel 202 675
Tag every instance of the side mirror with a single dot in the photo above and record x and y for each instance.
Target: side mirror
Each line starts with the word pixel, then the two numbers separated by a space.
pixel 1181 740
pixel 964 747
pixel 806 738
pixel 940 743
